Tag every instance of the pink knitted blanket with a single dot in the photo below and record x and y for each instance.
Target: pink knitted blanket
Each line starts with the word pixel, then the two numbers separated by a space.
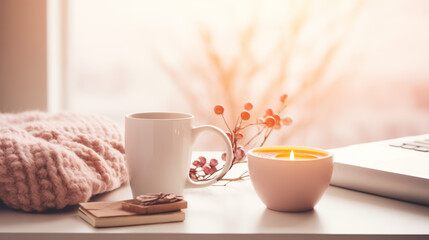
pixel 55 160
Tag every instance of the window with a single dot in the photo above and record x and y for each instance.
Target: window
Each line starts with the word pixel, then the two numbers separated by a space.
pixel 355 70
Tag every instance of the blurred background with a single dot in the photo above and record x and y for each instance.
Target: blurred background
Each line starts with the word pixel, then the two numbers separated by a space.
pixel 355 71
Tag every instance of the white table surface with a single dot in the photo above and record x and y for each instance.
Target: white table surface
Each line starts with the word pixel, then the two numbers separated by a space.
pixel 235 212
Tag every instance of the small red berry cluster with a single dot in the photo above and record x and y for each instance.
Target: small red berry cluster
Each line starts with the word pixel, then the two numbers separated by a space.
pixel 201 164
pixel 271 120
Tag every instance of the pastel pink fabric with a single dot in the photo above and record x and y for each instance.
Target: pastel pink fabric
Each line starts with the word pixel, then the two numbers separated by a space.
pixel 54 160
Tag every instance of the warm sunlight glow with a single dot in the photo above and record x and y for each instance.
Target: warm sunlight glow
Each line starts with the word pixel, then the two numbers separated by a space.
pixel 292 155
pixel 191 55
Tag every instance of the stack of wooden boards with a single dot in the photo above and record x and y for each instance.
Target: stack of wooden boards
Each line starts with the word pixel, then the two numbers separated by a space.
pixel 130 212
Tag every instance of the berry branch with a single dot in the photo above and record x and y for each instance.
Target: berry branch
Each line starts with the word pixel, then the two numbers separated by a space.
pixel 204 170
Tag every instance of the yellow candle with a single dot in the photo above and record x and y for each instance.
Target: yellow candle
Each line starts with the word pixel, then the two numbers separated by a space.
pixel 291 153
pixel 290 178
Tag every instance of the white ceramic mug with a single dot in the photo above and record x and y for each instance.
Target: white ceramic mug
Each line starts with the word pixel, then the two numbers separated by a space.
pixel 158 148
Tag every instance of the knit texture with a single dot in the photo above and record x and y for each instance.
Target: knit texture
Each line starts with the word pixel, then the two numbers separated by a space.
pixel 54 160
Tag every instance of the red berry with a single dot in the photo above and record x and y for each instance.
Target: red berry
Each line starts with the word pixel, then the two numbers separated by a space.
pixel 213 169
pixel 203 161
pixel 196 163
pixel 223 157
pixel 287 121
pixel 239 136
pixel 270 122
pixel 248 106
pixel 193 170
pixel 283 97
pixel 207 170
pixel 278 125
pixel 277 118
pixel 218 109
pixel 245 115
pixel 269 112
pixel 193 176
pixel 213 162
pixel 239 153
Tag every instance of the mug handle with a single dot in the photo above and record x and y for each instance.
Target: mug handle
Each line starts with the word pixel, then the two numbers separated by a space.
pixel 195 132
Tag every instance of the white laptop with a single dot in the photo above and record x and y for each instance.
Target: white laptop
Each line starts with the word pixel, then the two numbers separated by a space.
pixel 396 168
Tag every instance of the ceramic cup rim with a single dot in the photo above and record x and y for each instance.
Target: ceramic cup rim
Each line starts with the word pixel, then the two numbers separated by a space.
pixel 254 155
pixel 159 116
